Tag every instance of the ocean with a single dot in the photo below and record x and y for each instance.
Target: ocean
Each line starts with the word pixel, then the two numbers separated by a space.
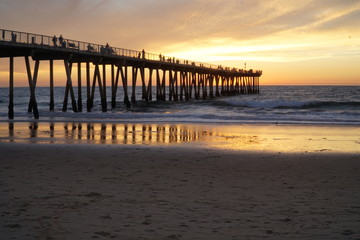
pixel 327 105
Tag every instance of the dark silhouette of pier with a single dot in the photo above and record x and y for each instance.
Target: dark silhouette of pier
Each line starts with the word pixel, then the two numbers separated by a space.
pixel 175 79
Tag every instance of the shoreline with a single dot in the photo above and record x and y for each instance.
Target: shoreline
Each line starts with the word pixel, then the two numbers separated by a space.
pixel 157 121
pixel 245 137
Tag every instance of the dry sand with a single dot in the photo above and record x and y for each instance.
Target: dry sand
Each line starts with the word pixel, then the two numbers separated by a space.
pixel 83 191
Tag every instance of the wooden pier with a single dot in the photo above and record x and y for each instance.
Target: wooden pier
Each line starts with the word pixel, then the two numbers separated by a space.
pixel 174 79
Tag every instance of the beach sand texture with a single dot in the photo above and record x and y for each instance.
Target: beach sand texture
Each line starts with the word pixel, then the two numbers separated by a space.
pixel 54 191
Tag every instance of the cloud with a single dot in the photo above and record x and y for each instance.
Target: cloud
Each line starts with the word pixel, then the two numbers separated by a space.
pixel 165 21
pixel 174 25
pixel 349 21
pixel 231 31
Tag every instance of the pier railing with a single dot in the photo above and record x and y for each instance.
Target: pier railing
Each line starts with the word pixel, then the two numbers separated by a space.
pixel 39 40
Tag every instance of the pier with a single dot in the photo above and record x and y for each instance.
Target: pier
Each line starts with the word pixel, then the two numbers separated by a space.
pixel 161 77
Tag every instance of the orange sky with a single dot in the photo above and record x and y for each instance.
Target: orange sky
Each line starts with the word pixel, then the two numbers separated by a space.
pixel 293 42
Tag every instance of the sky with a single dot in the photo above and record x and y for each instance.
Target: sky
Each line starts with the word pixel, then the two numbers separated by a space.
pixel 307 42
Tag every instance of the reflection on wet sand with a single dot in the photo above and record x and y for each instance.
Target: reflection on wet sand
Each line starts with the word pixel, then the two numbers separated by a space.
pixel 100 133
pixel 291 139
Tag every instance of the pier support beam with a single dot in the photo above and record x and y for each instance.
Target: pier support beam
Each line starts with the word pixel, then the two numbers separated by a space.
pixel 11 89
pixel 114 83
pixel 69 88
pixel 79 87
pixel 146 87
pixel 104 85
pixel 149 87
pixel 160 85
pixel 31 86
pixel 183 86
pixel 88 92
pixel 143 84
pixel 92 94
pixel 101 88
pixel 51 65
pixel 191 77
pixel 204 85
pixel 173 86
pixel 34 81
pixel 157 84
pixel 134 77
pixel 211 85
pixel 187 86
pixel 124 78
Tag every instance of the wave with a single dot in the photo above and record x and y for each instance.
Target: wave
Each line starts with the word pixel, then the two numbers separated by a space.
pixel 282 104
pixel 332 104
pixel 288 105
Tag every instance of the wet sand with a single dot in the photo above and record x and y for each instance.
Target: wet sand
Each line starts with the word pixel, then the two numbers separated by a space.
pixel 179 190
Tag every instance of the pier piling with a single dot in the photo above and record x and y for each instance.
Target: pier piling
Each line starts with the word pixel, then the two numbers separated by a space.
pixel 11 89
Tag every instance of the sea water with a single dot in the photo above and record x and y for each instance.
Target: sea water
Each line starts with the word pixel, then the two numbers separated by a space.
pixel 334 105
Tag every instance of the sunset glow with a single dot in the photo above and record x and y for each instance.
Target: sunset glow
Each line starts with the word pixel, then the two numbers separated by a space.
pixel 293 42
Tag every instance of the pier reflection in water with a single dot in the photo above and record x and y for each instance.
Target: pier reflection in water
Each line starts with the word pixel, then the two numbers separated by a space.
pixel 290 139
pixel 100 133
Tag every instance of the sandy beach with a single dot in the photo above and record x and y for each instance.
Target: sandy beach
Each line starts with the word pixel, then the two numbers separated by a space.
pixel 186 190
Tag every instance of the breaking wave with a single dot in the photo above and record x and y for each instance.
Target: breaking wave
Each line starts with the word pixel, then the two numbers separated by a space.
pixel 279 104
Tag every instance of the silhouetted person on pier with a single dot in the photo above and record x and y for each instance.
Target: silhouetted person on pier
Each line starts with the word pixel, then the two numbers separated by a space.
pixel 54 39
pixel 107 48
pixel 62 42
pixel 160 57
pixel 143 53
pixel 13 37
pixel 90 48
